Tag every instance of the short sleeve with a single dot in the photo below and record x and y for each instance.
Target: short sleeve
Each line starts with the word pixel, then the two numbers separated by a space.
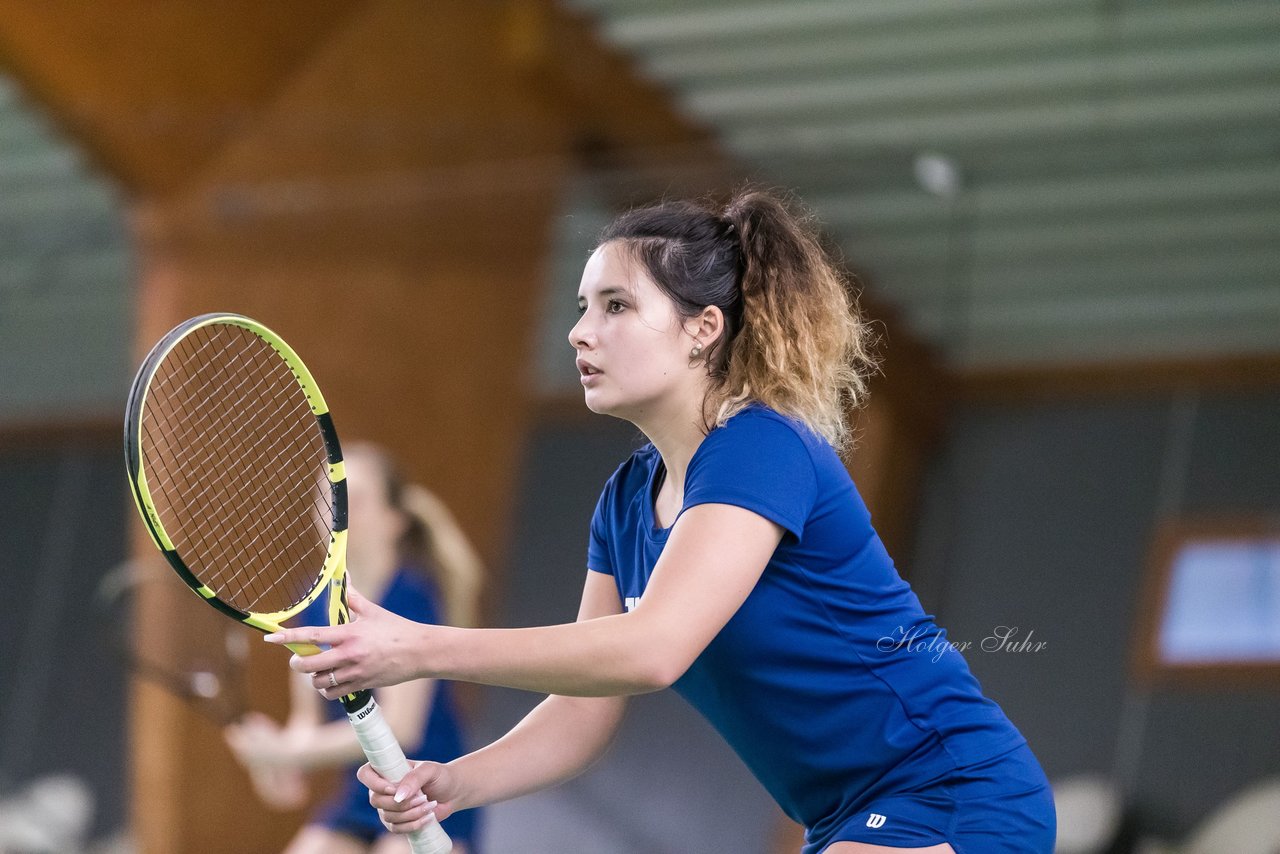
pixel 759 463
pixel 598 541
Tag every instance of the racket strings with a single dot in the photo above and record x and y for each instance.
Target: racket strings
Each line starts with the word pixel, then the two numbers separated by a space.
pixel 239 469
pixel 277 502
pixel 184 438
pixel 205 493
pixel 222 561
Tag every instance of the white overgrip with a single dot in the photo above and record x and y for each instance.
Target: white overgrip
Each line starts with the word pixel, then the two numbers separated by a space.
pixel 388 759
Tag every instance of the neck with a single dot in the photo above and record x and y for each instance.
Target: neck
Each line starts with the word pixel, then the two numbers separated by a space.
pixel 676 432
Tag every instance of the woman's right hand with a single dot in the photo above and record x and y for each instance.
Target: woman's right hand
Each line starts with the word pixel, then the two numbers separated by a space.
pixel 429 788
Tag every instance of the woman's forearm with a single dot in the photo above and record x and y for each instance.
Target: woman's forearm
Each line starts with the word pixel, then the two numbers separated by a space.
pixel 606 657
pixel 555 742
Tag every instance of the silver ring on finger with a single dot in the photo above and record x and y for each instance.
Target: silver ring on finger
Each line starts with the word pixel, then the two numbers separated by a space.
pixel 333 680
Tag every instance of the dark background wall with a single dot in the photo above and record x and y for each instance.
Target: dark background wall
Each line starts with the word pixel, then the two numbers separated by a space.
pixel 1040 516
pixel 63 708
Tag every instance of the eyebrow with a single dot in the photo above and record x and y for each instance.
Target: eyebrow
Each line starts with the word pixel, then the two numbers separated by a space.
pixel 607 292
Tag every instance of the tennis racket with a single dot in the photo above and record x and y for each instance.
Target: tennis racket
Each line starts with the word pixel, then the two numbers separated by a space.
pixel 238 475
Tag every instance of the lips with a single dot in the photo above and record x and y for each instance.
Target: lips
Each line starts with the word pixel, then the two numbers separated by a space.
pixel 587 369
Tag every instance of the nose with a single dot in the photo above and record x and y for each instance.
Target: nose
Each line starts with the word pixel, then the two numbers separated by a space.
pixel 580 335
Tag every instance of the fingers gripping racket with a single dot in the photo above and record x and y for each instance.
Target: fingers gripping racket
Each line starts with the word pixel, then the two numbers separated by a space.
pixel 237 472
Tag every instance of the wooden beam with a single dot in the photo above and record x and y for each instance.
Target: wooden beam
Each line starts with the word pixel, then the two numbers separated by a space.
pixel 153 90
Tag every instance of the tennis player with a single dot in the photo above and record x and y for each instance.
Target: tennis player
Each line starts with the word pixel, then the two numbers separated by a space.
pixel 406 550
pixel 732 559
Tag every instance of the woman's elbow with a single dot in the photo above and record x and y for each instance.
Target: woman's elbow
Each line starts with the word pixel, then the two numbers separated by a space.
pixel 660 670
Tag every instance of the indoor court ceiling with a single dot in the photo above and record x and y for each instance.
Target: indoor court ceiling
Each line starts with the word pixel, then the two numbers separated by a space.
pixel 1104 177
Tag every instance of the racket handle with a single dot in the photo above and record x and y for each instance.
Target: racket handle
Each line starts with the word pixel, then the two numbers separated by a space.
pixel 388 759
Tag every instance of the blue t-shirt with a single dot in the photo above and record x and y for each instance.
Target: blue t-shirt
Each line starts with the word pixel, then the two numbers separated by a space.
pixel 810 681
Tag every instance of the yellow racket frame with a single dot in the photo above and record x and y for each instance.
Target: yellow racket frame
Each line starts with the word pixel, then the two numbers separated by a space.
pixel 333 574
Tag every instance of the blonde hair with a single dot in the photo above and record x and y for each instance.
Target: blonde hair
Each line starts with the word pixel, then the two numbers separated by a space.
pixel 460 572
pixel 433 540
pixel 794 337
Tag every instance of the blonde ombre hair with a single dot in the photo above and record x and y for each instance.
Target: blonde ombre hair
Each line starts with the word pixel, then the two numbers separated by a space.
pixel 794 338
pixel 433 540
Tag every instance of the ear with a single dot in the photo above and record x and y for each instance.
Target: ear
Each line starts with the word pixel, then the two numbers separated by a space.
pixel 707 326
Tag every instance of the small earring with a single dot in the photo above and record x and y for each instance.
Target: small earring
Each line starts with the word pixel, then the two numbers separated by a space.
pixel 696 351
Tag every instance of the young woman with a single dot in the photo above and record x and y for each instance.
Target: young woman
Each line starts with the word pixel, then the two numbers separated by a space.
pixel 404 549
pixel 733 559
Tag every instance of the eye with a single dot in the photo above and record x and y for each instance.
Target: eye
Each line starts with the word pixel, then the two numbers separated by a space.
pixel 614 306
pixel 582 309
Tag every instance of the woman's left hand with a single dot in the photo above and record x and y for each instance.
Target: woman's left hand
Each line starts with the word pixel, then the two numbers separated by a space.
pixel 377 648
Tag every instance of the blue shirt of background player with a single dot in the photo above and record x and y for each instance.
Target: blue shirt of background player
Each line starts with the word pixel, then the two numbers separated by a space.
pixel 410 594
pixel 801 681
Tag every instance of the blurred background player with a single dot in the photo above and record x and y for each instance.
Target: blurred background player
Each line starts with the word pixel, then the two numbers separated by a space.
pixel 406 552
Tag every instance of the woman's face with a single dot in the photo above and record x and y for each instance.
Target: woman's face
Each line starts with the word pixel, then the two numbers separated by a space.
pixel 632 346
